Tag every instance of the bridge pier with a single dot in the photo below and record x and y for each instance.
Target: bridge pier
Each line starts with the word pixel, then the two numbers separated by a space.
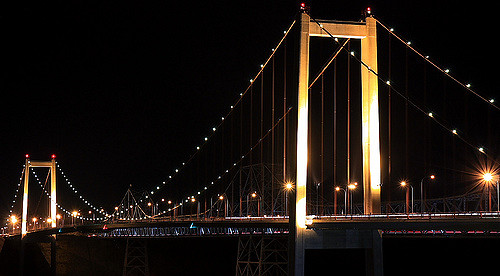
pixel 53 253
pixel 369 240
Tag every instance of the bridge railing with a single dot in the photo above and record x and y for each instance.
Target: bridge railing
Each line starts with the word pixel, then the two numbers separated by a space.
pixel 468 203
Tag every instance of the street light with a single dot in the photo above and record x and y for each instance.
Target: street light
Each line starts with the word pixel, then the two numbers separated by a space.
pixel 225 204
pixel 288 187
pixel 488 178
pixel 317 197
pixel 73 215
pixel 405 184
pixel 13 220
pixel 58 218
pixel 338 189
pixel 152 208
pixel 351 187
pixel 422 200
pixel 253 195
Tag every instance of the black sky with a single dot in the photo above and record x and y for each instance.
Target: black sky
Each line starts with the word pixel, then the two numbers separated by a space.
pixel 121 91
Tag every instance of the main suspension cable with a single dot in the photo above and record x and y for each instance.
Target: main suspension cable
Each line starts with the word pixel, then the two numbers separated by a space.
pixel 444 71
pixel 429 114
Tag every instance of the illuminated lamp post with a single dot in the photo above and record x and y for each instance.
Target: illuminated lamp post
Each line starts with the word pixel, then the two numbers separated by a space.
pixel 317 197
pixel 221 199
pixel 408 187
pixel 58 218
pixel 422 200
pixel 151 205
pixel 288 187
pixel 13 220
pixel 351 187
pixel 488 178
pixel 34 223
pixel 338 189
pixel 253 195
pixel 73 215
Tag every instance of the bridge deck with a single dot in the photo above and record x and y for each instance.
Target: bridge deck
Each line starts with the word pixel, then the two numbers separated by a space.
pixel 464 223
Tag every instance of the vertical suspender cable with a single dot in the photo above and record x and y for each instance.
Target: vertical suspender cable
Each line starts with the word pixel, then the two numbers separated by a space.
pixel 231 157
pixel 445 144
pixel 322 142
pixel 241 163
pixel 284 111
pixel 250 177
pixel 406 114
pixel 222 149
pixel 206 179
pixel 389 129
pixel 272 140
pixel 251 125
pixel 334 123
pixel 348 114
pixel 426 126
pixel 262 143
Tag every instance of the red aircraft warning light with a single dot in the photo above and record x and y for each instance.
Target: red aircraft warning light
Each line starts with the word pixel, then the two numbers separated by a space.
pixel 27 156
pixel 304 7
pixel 53 156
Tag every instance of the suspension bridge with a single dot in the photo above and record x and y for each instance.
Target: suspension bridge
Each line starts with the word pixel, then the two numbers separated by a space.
pixel 346 133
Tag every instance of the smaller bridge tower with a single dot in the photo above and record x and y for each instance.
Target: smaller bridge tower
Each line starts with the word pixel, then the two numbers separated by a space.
pixel 53 195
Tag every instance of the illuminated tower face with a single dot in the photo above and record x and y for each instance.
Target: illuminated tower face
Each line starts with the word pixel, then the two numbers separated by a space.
pixel 302 122
pixel 370 120
pixel 367 33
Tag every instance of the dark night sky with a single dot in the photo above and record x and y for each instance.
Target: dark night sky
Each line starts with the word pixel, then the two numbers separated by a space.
pixel 122 91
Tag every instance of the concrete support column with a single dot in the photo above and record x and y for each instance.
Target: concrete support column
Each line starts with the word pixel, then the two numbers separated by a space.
pixel 53 194
pixel 24 225
pixel 302 149
pixel 374 256
pixel 369 240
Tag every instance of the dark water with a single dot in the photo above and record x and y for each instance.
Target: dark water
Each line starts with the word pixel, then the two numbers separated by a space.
pixel 416 256
pixel 217 256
